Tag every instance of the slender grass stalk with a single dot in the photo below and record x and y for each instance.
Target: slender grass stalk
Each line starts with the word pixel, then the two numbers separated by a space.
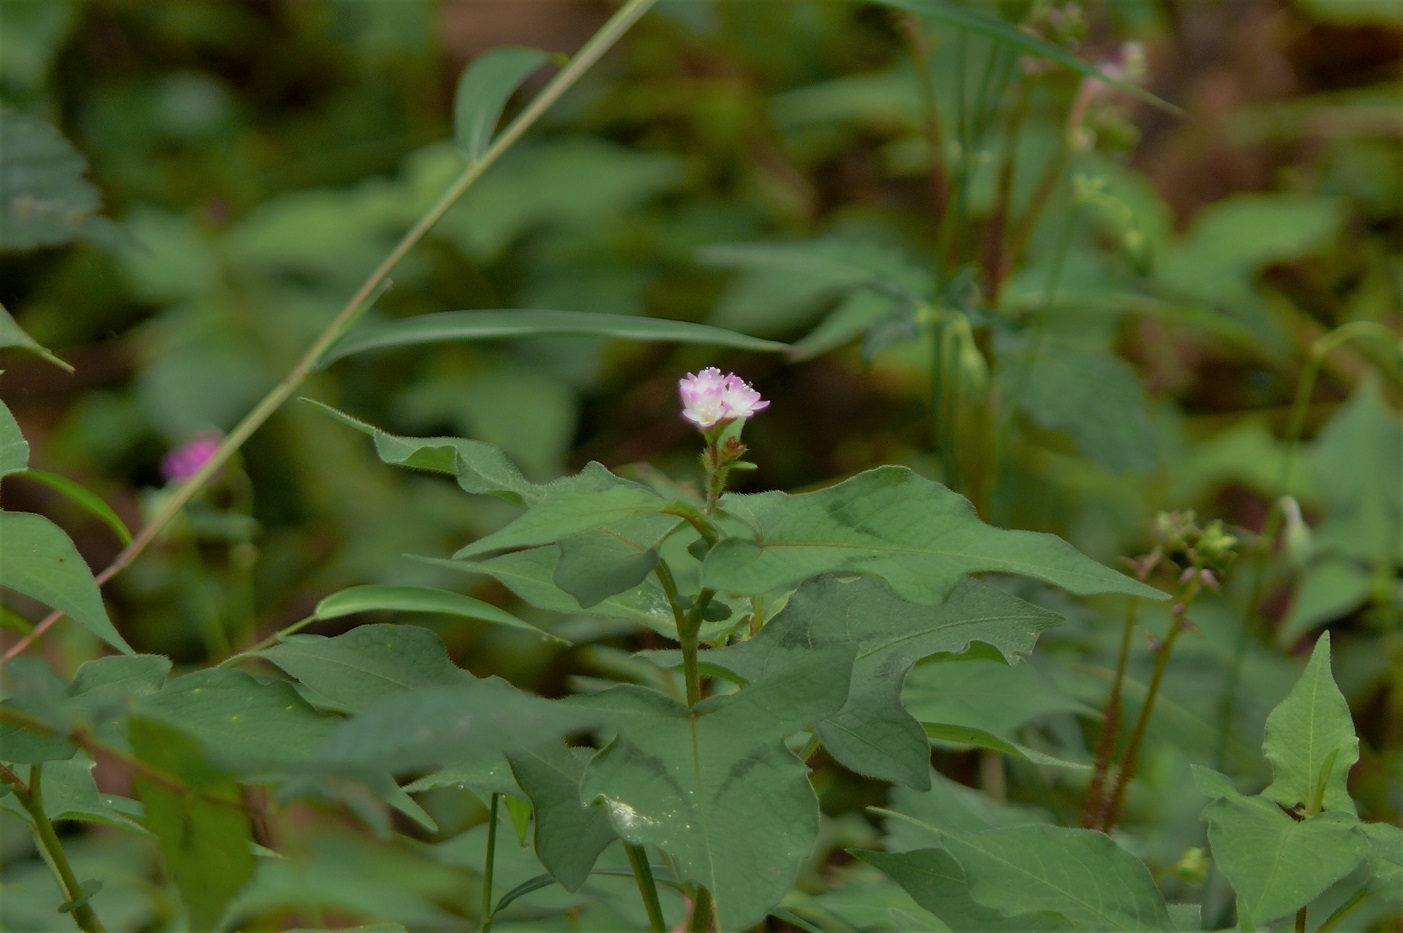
pixel 489 864
pixel 1295 426
pixel 647 887
pixel 1110 724
pixel 358 303
pixel 31 797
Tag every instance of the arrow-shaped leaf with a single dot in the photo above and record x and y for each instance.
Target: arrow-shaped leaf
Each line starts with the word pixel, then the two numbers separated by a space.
pixel 914 533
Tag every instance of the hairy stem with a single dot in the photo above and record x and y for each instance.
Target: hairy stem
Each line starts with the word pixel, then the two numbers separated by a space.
pixel 589 53
pixel 31 797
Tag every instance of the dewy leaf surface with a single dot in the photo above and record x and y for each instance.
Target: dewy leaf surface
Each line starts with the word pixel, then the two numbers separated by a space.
pixel 1077 873
pixel 873 734
pixel 1305 732
pixel 483 91
pixel 39 561
pixel 914 533
pixel 479 467
pixel 1276 864
pixel 715 787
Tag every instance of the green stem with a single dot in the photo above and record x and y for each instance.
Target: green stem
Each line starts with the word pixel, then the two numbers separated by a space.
pixel 701 912
pixel 1301 920
pixel 1126 771
pixel 489 865
pixel 32 799
pixel 1295 426
pixel 588 54
pixel 689 633
pixel 643 873
pixel 268 642
pixel 1344 910
pixel 1110 724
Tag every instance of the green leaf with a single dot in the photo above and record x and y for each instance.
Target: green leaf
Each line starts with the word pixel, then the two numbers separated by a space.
pixel 589 499
pixel 1328 590
pixel 1075 873
pixel 984 694
pixel 950 14
pixel 14 449
pixel 70 793
pixel 1095 397
pixel 600 563
pixel 487 82
pixel 44 198
pixel 1309 733
pixel 938 883
pixel 914 533
pixel 479 468
pixel 39 713
pixel 41 562
pixel 965 737
pixel 1384 853
pixel 464 723
pixel 386 598
pixel 1276 864
pixel 506 325
pixel 246 722
pixel 1384 13
pixel 873 734
pixel 12 335
pixel 85 499
pixel 1357 459
pixel 105 689
pixel 357 670
pixel 530 574
pixel 569 834
pixel 715 787
pixel 205 838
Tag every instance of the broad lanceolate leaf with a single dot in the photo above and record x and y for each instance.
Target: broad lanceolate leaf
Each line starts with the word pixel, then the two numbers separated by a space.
pixel 873 734
pixel 464 723
pixel 1357 460
pixel 480 468
pixel 591 498
pixel 570 834
pixel 12 335
pixel 715 787
pixel 1276 864
pixel 1078 874
pixel 84 499
pixel 938 883
pixel 70 793
pixel 204 835
pixel 1310 740
pixel 962 17
pixel 248 723
pixel 483 91
pixel 1384 852
pixel 427 599
pixel 506 325
pixel 44 198
pixel 14 449
pixel 38 560
pixel 367 664
pixel 914 533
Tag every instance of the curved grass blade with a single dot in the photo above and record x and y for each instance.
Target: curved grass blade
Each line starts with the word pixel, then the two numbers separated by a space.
pixel 509 324
pixel 378 597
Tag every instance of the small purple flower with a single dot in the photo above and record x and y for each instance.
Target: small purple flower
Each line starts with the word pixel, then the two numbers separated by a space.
pixel 185 461
pixel 709 398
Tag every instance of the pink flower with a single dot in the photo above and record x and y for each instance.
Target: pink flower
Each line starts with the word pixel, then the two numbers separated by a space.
pixel 185 461
pixel 709 398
